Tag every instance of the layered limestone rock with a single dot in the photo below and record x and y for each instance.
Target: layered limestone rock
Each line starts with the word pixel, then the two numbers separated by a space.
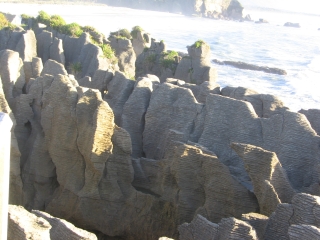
pixel 270 183
pixel 265 105
pixel 313 115
pixel 170 107
pixel 100 80
pixel 134 111
pixel 140 41
pixel 39 225
pixel 298 220
pixel 289 135
pixel 23 225
pixel 196 67
pixel 23 42
pixel 229 228
pixel 125 54
pixel 119 91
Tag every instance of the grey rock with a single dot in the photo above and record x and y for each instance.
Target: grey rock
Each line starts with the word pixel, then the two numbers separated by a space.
pixel 140 42
pixel 241 124
pixel 23 225
pixel 171 107
pixel 52 67
pixel 307 232
pixel 61 229
pixel 265 105
pixel 44 41
pixel 56 51
pixel 313 115
pixel 270 183
pixel 119 90
pixel 27 46
pixel 290 24
pixel 258 222
pixel 99 81
pixel 133 116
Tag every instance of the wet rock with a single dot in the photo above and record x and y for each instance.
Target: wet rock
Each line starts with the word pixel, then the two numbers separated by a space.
pixel 248 66
pixel 290 24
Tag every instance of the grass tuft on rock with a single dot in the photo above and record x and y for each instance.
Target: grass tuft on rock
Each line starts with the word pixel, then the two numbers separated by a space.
pixel 168 60
pixel 122 33
pixel 198 43
pixel 75 68
pixel 135 30
pixel 72 29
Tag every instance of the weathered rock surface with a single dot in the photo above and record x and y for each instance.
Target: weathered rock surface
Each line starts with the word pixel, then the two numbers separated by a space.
pixel 258 222
pixel 23 42
pixel 196 68
pixel 61 229
pixel 23 225
pixel 52 67
pixel 39 225
pixel 126 55
pixel 171 107
pixel 270 183
pixel 265 105
pixel 133 116
pixel 295 142
pixel 313 116
pixel 119 91
pixel 249 66
pixel 229 228
pixel 141 41
pixel 100 80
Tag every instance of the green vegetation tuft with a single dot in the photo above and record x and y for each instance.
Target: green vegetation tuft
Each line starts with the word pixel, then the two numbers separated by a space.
pixel 135 31
pixel 75 68
pixel 168 60
pixel 198 43
pixel 72 29
pixel 3 21
pixel 122 33
pixel 146 49
pixel 151 58
pixel 25 17
pixel 89 29
pixel 43 18
pixel 57 22
pixel 108 52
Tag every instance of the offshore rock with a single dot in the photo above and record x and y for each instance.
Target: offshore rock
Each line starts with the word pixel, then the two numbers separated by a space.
pixel 248 66
pixel 290 24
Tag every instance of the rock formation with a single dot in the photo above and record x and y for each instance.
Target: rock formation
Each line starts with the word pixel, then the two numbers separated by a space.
pixel 248 66
pixel 166 155
pixel 39 225
pixel 290 24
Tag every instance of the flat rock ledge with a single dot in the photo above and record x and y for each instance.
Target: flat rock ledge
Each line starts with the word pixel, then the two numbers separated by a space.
pixel 248 66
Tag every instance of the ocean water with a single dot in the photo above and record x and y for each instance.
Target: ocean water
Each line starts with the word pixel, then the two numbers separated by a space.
pixel 296 50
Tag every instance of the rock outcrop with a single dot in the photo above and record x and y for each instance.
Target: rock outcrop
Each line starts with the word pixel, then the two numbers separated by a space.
pixel 249 66
pixel 39 225
pixel 289 221
pixel 290 24
pixel 196 67
pixel 313 115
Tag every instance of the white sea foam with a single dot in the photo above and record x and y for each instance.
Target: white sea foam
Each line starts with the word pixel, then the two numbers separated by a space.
pixel 295 50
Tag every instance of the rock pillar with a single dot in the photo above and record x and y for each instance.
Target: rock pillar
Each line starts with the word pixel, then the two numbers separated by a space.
pixel 5 140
